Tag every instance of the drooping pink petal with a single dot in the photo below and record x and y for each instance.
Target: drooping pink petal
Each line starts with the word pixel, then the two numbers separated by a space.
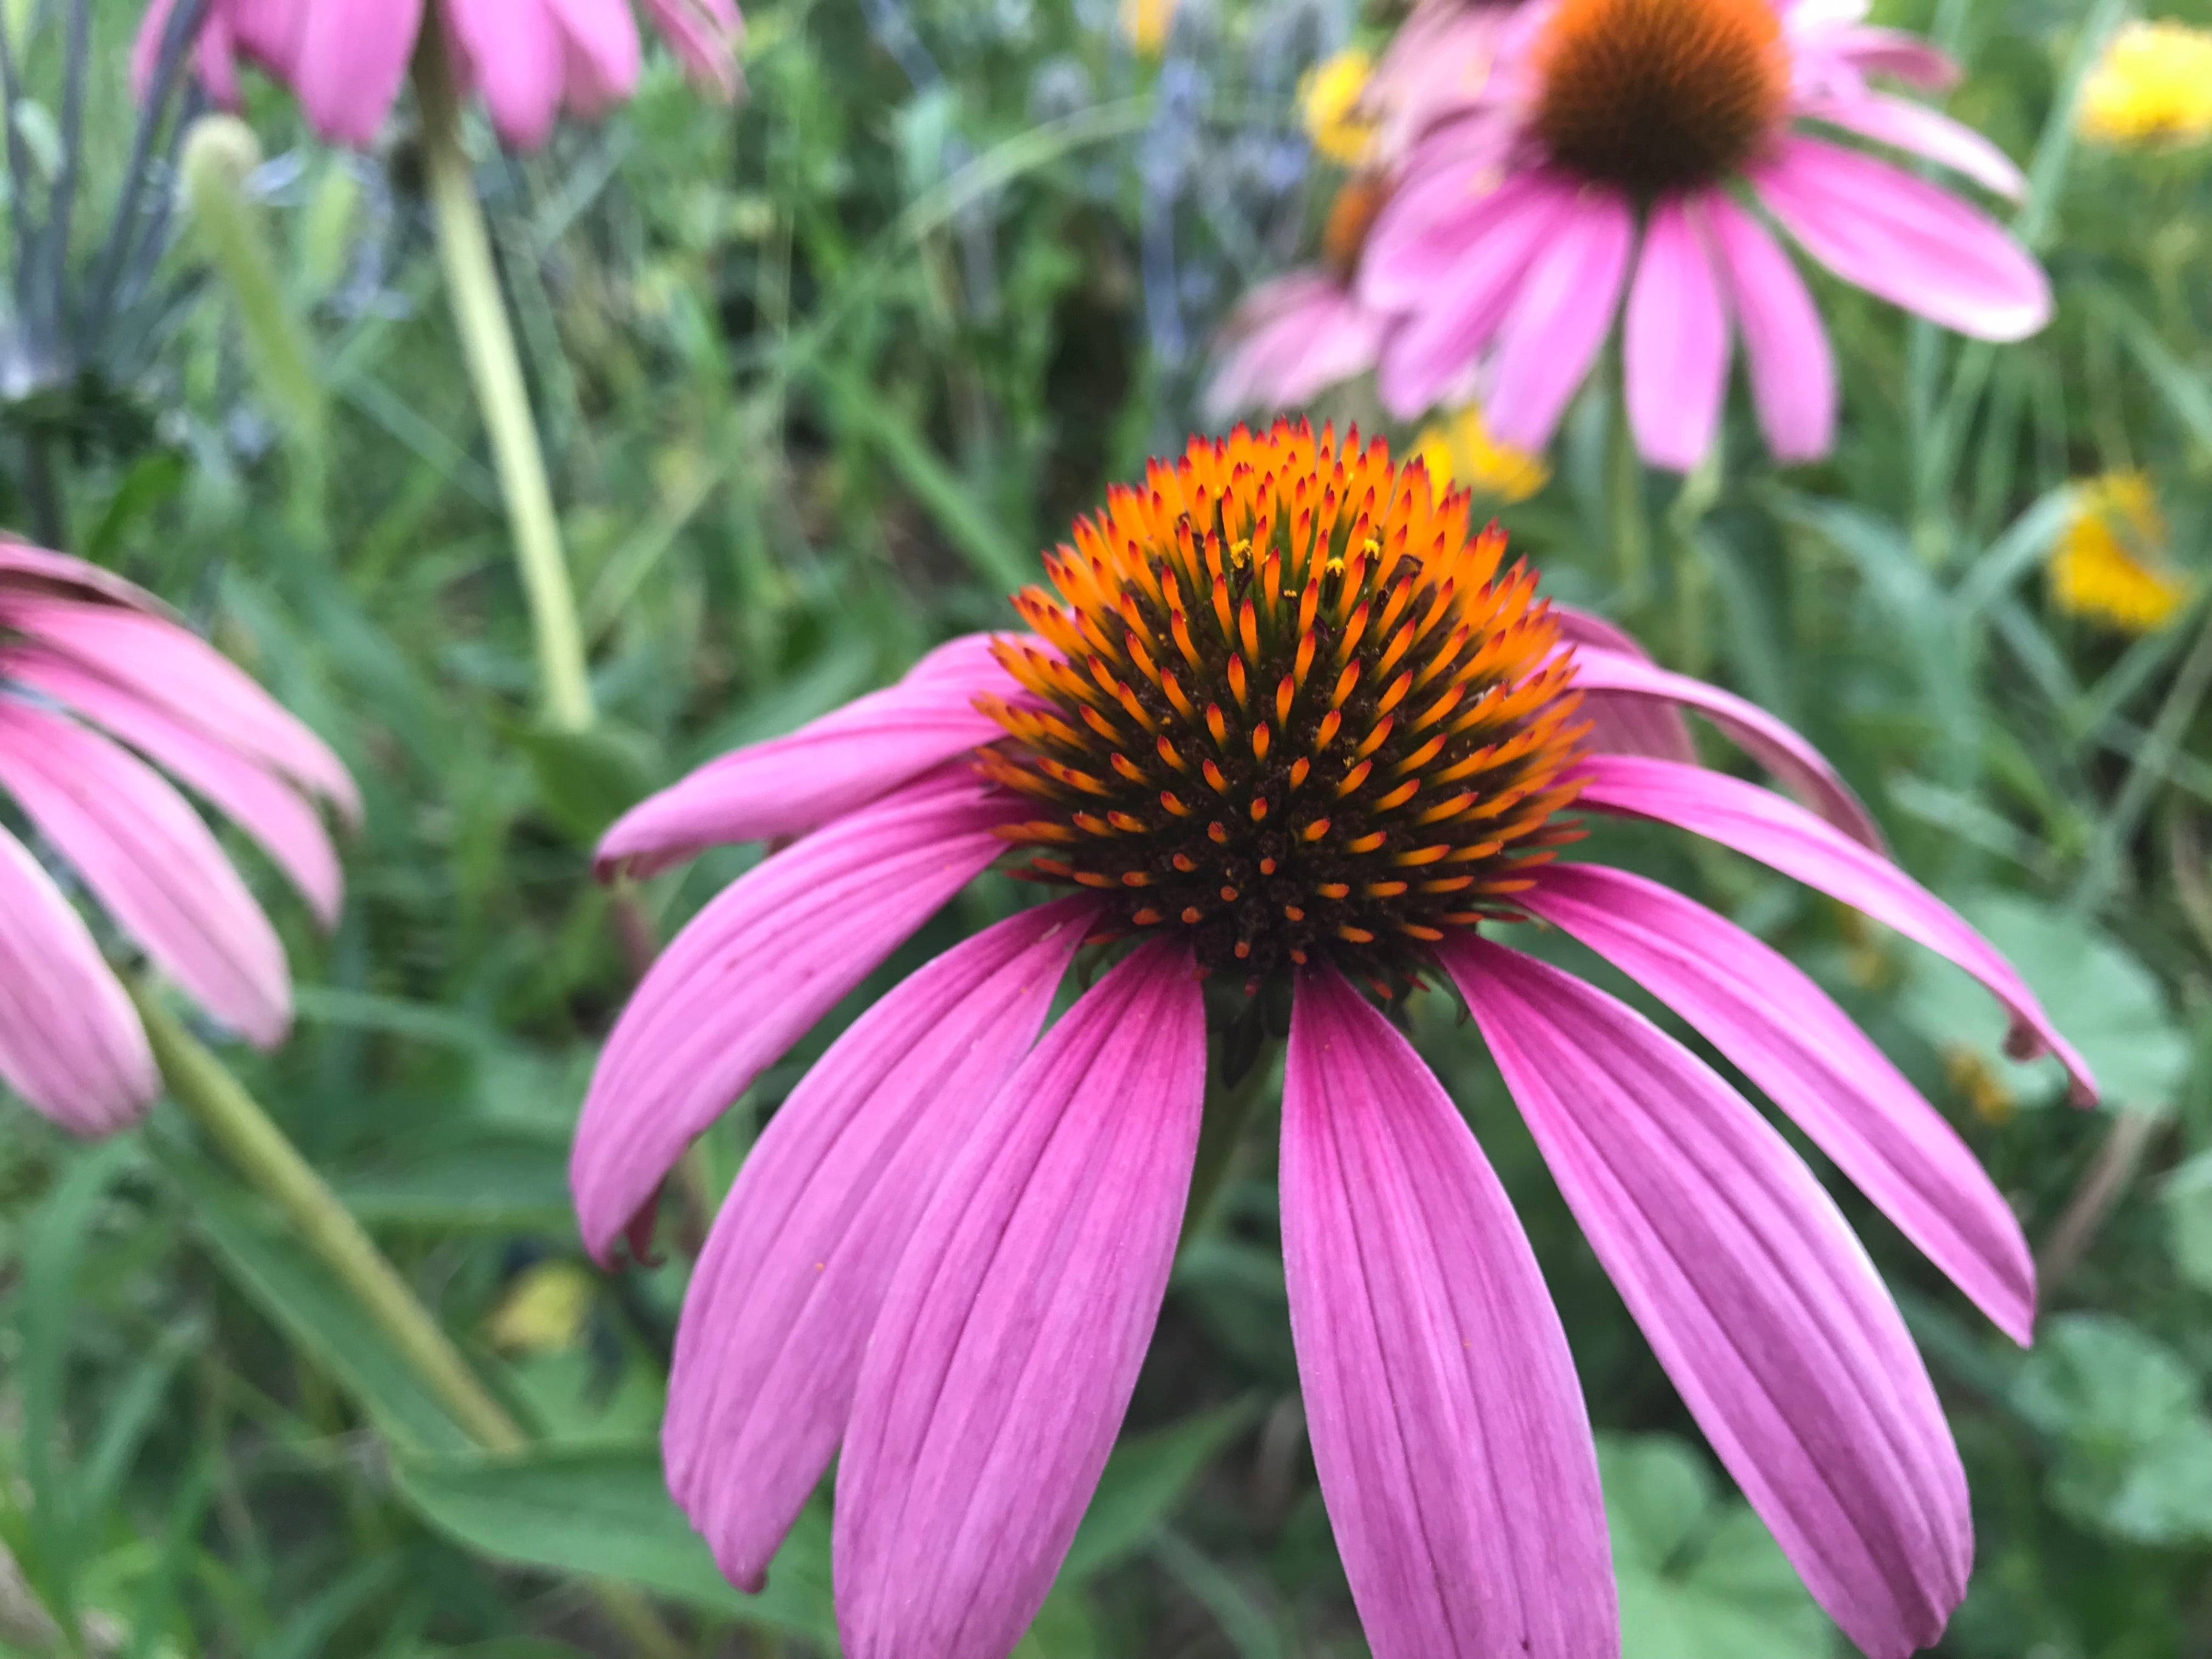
pixel 1787 1035
pixel 1904 125
pixel 351 58
pixel 1437 67
pixel 599 52
pixel 510 51
pixel 769 1348
pixel 757 967
pixel 1014 1326
pixel 259 802
pixel 1751 1289
pixel 1793 373
pixel 1903 238
pixel 1292 338
pixel 1675 350
pixel 144 852
pixel 163 664
pixel 1906 57
pixel 829 766
pixel 1763 825
pixel 1618 725
pixel 70 1042
pixel 1455 277
pixel 706 35
pixel 1559 319
pixel 1448 1428
pixel 24 568
pixel 1769 741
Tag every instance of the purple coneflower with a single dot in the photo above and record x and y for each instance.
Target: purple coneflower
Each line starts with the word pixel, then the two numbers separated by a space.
pixel 1284 724
pixel 344 59
pixel 91 669
pixel 1607 156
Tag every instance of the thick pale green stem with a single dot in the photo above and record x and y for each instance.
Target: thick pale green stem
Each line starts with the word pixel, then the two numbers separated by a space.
pixel 472 283
pixel 214 1100
pixel 257 1149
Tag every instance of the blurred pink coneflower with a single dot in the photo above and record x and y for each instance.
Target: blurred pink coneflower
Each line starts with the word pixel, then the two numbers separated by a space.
pixel 1606 155
pixel 1286 724
pixel 531 59
pixel 92 669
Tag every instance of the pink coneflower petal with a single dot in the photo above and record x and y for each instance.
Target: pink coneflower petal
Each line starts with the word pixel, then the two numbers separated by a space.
pixel 1763 825
pixel 153 864
pixel 513 51
pixel 1786 1035
pixel 705 34
pixel 599 52
pixel 1758 1300
pixel 1906 126
pixel 1905 57
pixel 1013 1329
pixel 1560 318
pixel 1792 371
pixel 770 956
pixel 1447 1429
pixel 829 766
pixel 165 665
pixel 70 1042
pixel 1676 342
pixel 768 1352
pixel 350 61
pixel 1623 725
pixel 1771 742
pixel 1905 239
pixel 1293 338
pixel 1485 247
pixel 263 804
pixel 33 569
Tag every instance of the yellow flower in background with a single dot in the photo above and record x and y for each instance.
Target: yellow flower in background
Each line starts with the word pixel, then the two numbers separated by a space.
pixel 1974 1081
pixel 1329 97
pixel 2153 85
pixel 2110 566
pixel 1146 23
pixel 543 1311
pixel 1459 449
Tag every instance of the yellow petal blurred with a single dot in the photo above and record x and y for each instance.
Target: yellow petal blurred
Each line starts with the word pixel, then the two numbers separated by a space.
pixel 1329 97
pixel 544 1309
pixel 2110 566
pixel 2153 86
pixel 1460 450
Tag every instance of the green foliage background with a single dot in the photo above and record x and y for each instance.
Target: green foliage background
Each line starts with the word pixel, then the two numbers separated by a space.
pixel 819 377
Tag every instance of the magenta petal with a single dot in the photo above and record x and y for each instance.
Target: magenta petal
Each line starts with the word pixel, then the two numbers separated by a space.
pixel 1905 240
pixel 70 1042
pixel 1769 741
pixel 162 664
pixel 260 803
pixel 1763 825
pixel 754 969
pixel 1751 1289
pixel 1905 125
pixel 27 569
pixel 153 864
pixel 829 767
pixel 1786 1035
pixel 1290 338
pixel 1793 373
pixel 599 52
pixel 1907 58
pixel 351 60
pixel 513 51
pixel 1559 319
pixel 1014 1326
pixel 1456 279
pixel 705 34
pixel 1623 725
pixel 768 1352
pixel 1448 1428
pixel 1676 350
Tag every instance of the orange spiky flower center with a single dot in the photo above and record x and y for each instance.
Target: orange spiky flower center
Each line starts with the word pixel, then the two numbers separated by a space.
pixel 1292 709
pixel 1655 96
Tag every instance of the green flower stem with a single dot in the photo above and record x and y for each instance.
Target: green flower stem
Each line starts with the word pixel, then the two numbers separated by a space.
pixel 214 1100
pixel 1631 531
pixel 1227 1113
pixel 257 1149
pixel 472 283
